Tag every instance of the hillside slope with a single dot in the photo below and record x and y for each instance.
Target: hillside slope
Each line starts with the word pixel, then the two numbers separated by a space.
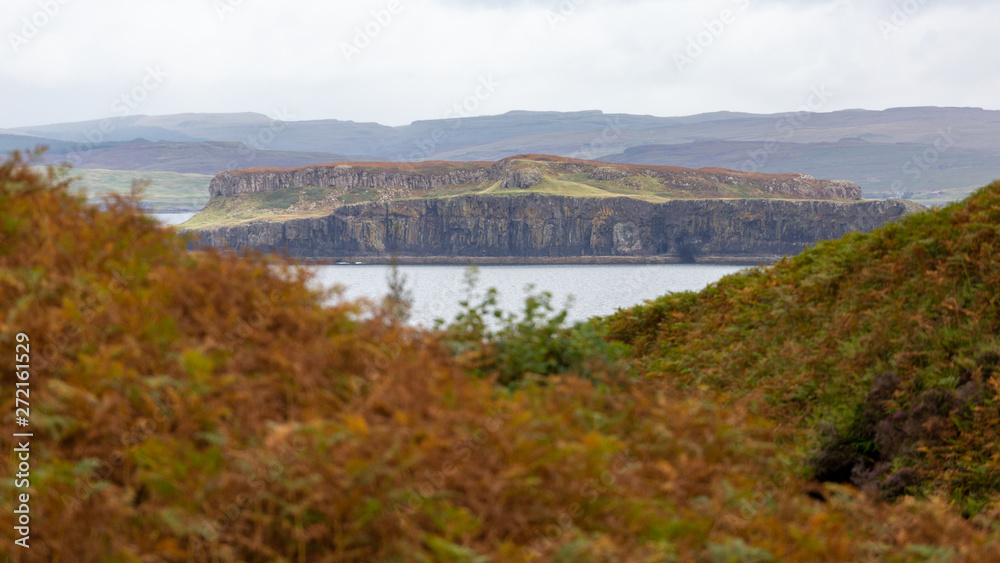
pixel 884 346
pixel 882 169
pixel 596 133
pixel 186 158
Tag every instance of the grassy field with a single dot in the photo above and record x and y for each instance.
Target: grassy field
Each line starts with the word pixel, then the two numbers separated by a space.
pixel 169 191
pixel 563 187
pixel 277 206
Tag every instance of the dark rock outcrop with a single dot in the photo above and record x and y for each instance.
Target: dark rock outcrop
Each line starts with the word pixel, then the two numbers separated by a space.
pixel 534 226
pixel 608 173
pixel 520 178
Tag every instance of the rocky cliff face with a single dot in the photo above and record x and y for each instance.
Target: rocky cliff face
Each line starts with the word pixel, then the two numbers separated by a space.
pixel 523 172
pixel 537 226
pixel 339 176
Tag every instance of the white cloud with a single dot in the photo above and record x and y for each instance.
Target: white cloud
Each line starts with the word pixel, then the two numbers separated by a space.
pixel 595 54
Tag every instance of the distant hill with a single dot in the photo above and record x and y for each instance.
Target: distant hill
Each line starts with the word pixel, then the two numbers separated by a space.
pixel 951 148
pixel 878 167
pixel 113 129
pixel 195 158
pixel 520 132
pixel 21 142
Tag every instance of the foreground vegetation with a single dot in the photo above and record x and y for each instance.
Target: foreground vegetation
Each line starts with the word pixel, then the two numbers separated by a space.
pixel 883 346
pixel 208 407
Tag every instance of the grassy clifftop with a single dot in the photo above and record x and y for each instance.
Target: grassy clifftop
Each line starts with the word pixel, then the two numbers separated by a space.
pixel 279 194
pixel 207 407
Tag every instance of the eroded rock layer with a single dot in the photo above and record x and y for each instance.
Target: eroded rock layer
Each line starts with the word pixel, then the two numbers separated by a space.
pixel 540 226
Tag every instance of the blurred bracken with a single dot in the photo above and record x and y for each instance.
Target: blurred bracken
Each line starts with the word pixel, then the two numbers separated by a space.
pixel 204 406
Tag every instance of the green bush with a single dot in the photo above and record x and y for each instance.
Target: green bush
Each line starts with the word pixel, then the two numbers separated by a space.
pixel 314 194
pixel 535 342
pixel 280 199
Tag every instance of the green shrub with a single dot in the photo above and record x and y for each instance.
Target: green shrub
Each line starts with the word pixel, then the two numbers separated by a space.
pixel 279 199
pixel 535 342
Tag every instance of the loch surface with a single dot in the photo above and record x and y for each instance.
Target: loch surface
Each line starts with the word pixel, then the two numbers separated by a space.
pixel 595 289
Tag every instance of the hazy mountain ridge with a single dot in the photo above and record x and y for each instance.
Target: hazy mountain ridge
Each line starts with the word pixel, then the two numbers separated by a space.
pixel 208 157
pixel 945 147
pixel 881 168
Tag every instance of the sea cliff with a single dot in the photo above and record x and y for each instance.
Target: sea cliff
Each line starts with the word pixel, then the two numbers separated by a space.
pixel 535 227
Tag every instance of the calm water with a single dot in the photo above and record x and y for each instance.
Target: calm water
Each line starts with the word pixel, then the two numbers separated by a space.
pixel 596 290
pixel 172 218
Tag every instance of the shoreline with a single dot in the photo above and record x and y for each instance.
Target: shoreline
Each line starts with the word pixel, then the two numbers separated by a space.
pixel 535 260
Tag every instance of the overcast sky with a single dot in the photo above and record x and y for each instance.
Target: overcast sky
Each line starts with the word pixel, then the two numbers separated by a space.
pixel 69 60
